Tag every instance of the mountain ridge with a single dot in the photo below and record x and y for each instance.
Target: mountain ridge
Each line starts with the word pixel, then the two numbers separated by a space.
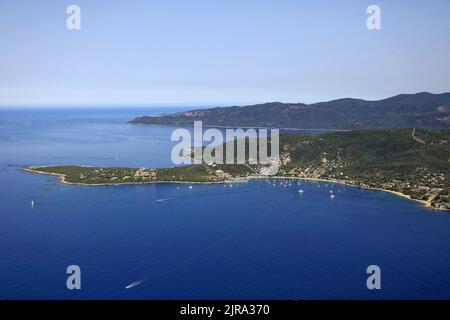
pixel 422 110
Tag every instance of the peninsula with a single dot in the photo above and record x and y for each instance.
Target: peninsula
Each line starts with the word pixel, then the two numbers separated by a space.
pixel 409 162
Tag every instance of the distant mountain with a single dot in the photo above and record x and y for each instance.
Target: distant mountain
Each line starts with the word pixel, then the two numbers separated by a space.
pixel 421 110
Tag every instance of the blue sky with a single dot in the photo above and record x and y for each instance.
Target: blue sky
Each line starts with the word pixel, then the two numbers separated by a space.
pixel 219 52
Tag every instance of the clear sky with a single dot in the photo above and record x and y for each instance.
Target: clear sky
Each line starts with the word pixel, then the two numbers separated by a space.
pixel 219 52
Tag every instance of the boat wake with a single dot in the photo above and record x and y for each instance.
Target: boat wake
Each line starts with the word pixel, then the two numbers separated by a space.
pixel 134 284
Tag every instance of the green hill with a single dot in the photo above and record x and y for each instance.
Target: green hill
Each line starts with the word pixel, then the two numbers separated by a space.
pixel 413 162
pixel 421 110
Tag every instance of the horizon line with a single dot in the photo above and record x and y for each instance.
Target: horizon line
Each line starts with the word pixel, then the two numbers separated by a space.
pixel 193 104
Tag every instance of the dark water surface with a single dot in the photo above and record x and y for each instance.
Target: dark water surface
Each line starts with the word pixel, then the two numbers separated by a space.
pixel 252 240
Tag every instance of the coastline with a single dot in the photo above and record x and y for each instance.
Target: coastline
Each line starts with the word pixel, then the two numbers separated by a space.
pixel 426 204
pixel 234 127
pixel 62 179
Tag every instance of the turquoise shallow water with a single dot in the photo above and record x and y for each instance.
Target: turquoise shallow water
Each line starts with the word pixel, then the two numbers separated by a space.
pixel 252 240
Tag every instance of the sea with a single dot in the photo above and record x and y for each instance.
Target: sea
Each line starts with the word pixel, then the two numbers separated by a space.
pixel 261 239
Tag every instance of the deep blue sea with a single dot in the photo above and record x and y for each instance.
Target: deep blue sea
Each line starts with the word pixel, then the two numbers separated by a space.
pixel 252 240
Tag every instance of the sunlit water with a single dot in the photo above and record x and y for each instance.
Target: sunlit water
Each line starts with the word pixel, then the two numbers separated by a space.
pixel 261 239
